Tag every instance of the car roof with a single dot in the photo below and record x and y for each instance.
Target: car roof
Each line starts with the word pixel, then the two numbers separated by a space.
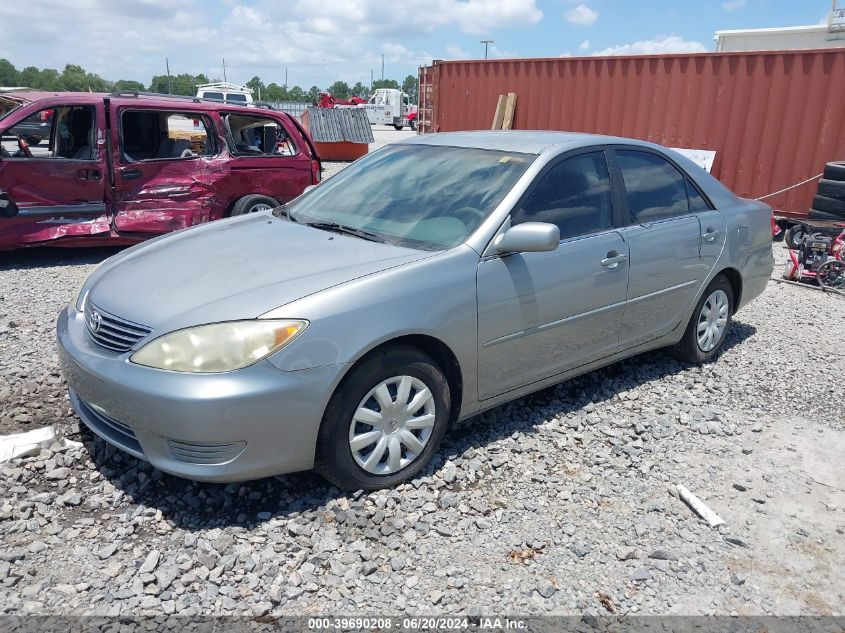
pixel 126 98
pixel 523 141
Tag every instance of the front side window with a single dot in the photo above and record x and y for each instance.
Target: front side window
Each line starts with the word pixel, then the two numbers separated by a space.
pixel 656 189
pixel 213 96
pixel 235 98
pixel 164 135
pixel 67 132
pixel 419 196
pixel 259 136
pixel 574 195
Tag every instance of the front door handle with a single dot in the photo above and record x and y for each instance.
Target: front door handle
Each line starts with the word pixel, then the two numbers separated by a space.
pixel 130 174
pixel 710 234
pixel 613 259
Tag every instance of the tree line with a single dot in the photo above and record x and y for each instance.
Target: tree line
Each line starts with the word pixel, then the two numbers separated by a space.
pixel 74 78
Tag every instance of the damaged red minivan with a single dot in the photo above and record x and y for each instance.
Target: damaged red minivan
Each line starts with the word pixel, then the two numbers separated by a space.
pixel 124 167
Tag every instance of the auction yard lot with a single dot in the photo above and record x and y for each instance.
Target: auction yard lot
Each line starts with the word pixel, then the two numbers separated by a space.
pixel 560 502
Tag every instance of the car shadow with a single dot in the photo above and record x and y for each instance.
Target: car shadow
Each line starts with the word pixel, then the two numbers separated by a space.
pixel 193 505
pixel 43 256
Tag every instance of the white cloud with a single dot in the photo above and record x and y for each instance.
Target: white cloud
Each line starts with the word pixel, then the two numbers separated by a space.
pixel 583 46
pixel 453 51
pixel 657 46
pixel 581 15
pixel 732 5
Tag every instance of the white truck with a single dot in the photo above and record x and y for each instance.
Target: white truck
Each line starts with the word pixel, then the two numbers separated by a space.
pixel 391 107
pixel 226 92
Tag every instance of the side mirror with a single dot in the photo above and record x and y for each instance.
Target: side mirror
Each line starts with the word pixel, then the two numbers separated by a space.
pixel 530 237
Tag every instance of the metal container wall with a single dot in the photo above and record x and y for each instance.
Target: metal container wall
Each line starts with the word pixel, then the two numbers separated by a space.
pixel 773 118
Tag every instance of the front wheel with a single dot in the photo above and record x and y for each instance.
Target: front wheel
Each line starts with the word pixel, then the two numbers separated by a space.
pixel 385 421
pixel 413 124
pixel 794 236
pixel 709 324
pixel 831 274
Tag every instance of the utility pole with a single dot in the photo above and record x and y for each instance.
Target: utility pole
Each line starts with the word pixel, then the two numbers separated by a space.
pixel 224 69
pixel 286 77
pixel 371 79
pixel 486 43
pixel 382 68
pixel 169 80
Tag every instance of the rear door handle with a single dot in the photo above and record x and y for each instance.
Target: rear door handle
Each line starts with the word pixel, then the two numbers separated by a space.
pixel 613 260
pixel 130 174
pixel 710 235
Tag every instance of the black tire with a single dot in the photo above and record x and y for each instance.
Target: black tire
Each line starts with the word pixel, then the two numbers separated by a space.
pixel 835 171
pixel 832 189
pixel 413 124
pixel 815 214
pixel 398 127
pixel 831 274
pixel 334 459
pixel 829 205
pixel 688 349
pixel 33 140
pixel 794 236
pixel 253 203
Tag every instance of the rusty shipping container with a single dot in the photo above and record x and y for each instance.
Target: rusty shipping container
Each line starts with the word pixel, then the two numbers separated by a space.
pixel 773 118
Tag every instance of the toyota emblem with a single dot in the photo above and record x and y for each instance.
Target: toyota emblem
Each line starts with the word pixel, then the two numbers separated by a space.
pixel 94 321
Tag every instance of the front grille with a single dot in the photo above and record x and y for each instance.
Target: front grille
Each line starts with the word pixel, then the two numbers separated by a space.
pixel 205 453
pixel 111 332
pixel 109 429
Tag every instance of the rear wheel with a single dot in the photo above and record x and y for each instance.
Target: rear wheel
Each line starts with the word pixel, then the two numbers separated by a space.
pixel 385 421
pixel 398 127
pixel 831 274
pixel 709 324
pixel 253 204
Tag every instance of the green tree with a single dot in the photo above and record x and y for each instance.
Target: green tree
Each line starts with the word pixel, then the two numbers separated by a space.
pixel 258 88
pixel 274 92
pixel 313 95
pixel 29 77
pixel 409 86
pixel 385 83
pixel 296 94
pixel 128 85
pixel 360 90
pixel 184 84
pixel 339 90
pixel 48 79
pixel 9 75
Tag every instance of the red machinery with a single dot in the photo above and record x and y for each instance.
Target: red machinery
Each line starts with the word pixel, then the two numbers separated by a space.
pixel 328 101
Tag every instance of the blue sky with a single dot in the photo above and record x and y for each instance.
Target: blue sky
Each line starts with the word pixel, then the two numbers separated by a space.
pixel 319 41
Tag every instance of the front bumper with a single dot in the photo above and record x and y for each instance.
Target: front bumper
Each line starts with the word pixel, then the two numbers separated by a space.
pixel 246 424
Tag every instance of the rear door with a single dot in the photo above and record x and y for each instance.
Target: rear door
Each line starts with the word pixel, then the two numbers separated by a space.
pixel 268 156
pixel 56 188
pixel 159 158
pixel 664 237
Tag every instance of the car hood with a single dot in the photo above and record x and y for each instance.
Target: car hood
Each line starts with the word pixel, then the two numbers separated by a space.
pixel 234 269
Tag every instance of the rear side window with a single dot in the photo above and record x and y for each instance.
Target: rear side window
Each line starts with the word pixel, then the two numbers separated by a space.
pixel 574 195
pixel 214 96
pixel 259 136
pixel 656 189
pixel 164 135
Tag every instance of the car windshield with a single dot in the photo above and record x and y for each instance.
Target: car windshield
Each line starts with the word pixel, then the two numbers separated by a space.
pixel 420 196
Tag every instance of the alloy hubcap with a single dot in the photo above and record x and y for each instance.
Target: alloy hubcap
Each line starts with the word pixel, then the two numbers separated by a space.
pixel 392 425
pixel 712 320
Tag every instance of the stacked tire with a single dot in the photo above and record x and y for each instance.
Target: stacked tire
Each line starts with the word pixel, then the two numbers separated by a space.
pixel 829 203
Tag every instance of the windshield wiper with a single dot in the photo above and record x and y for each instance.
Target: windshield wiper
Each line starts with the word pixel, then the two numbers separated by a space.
pixel 348 230
pixel 282 211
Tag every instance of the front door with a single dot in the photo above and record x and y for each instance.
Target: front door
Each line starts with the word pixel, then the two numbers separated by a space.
pixel 55 188
pixel 664 238
pixel 540 314
pixel 160 161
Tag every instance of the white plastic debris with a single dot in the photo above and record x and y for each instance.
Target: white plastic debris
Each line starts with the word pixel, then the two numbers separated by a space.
pixel 31 443
pixel 698 506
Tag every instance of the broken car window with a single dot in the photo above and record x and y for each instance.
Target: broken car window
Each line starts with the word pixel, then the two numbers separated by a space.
pixel 164 135
pixel 259 136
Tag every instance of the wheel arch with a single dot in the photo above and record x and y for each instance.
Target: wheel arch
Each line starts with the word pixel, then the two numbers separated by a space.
pixel 735 279
pixel 441 353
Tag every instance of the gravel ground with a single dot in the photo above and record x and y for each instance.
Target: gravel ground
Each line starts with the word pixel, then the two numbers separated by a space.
pixel 560 502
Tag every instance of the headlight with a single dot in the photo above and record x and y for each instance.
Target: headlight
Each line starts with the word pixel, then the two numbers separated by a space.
pixel 218 347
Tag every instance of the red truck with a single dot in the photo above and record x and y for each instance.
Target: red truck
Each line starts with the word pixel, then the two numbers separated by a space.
pixel 120 168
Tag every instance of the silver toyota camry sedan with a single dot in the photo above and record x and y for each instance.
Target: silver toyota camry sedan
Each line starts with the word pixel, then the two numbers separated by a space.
pixel 430 280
